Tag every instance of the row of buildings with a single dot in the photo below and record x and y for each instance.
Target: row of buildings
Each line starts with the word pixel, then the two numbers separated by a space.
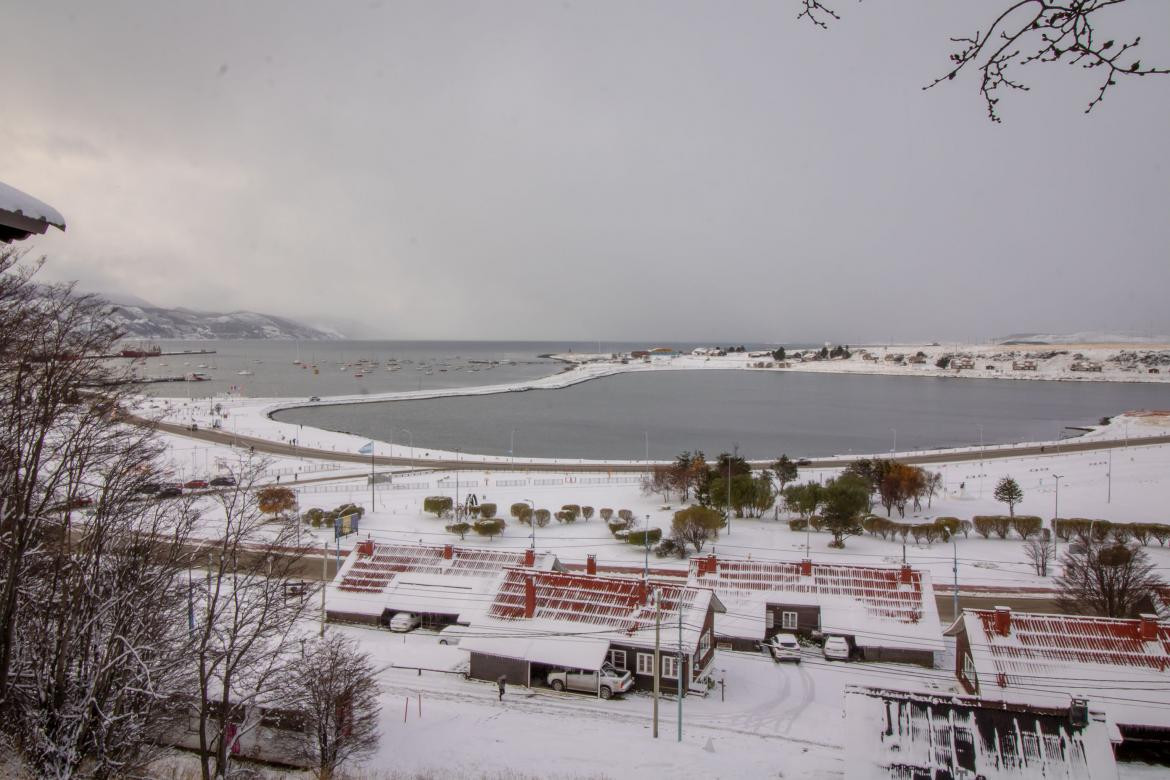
pixel 1025 679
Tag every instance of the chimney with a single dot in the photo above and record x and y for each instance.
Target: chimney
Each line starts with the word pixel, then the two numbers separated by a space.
pixel 1149 627
pixel 712 565
pixel 806 568
pixel 448 551
pixel 530 557
pixel 591 564
pixel 366 547
pixel 641 592
pixel 529 597
pixel 1003 620
pixel 904 575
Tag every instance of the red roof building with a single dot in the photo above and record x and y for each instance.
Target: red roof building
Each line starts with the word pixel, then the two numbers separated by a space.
pixel 442 583
pixel 884 613
pixel 1119 666
pixel 544 620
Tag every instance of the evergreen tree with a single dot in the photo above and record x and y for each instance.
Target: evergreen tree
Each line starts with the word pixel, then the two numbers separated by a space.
pixel 1008 491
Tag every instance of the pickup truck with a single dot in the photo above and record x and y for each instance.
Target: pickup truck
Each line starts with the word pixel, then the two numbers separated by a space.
pixel 611 681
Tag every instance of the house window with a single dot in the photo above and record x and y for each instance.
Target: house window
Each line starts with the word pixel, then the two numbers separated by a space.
pixel 669 667
pixel 618 659
pixel 646 663
pixel 788 620
pixel 969 670
pixel 704 645
pixel 769 619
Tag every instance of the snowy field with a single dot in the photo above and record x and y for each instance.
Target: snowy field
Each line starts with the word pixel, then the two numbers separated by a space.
pixel 771 720
pixel 1134 493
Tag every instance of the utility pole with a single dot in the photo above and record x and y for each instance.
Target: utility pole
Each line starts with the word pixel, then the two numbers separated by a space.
pixel 372 477
pixel 456 476
pixel 657 642
pixel 646 544
pixel 981 460
pixel 1109 478
pixel 679 664
pixel 324 582
pixel 955 569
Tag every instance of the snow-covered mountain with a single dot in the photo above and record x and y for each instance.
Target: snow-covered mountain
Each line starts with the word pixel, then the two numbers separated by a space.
pixel 1088 337
pixel 153 322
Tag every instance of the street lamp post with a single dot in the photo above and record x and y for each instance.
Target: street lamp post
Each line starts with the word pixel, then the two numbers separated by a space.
pixel 1055 511
pixel 512 448
pixel 981 460
pixel 532 520
pixel 894 451
pixel 411 435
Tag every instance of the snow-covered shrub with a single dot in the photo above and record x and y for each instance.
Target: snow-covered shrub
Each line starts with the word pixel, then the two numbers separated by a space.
pixel 1027 525
pixel 572 509
pixel 984 525
pixel 587 512
pixel 670 548
pixel 796 524
pixel 439 506
pixel 487 510
pixel 488 528
pixel 640 538
pixel 460 528
pixel 606 513
pixel 950 526
pixel 541 517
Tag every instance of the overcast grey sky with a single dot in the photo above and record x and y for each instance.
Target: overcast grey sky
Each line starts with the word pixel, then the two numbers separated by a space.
pixel 580 170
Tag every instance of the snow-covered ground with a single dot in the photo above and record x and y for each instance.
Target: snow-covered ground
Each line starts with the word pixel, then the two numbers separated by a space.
pixel 775 721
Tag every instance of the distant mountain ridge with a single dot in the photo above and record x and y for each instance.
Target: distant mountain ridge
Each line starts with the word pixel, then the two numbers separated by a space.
pixel 1087 337
pixel 155 322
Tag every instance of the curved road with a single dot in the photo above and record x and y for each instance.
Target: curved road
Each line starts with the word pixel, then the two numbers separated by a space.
pixel 289 450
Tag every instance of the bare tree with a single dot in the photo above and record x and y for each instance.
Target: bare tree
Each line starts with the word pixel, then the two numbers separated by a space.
pixel 92 629
pixel 1111 581
pixel 1040 553
pixel 245 641
pixel 335 699
pixel 1027 32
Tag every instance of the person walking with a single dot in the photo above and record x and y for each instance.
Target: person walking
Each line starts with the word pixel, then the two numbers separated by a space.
pixel 502 682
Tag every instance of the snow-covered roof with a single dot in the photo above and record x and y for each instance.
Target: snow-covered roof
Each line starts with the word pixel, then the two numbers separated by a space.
pixel 615 609
pixel 21 214
pixel 436 579
pixel 1122 666
pixel 537 641
pixel 877 606
pixel 897 734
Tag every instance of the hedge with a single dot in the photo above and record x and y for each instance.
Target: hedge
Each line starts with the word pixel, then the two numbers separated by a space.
pixel 639 538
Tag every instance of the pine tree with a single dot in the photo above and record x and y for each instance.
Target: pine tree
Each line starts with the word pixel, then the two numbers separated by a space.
pixel 1008 491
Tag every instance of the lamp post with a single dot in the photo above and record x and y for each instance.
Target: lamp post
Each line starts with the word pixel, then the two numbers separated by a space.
pixel 981 460
pixel 532 520
pixel 1055 511
pixel 512 447
pixel 411 435
pixel 894 451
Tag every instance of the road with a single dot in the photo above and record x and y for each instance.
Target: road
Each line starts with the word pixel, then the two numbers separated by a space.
pixel 289 450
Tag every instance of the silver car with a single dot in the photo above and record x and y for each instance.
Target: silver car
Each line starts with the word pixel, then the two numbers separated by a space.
pixel 784 647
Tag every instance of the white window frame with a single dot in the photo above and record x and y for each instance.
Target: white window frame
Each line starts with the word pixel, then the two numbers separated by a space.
pixel 645 663
pixel 613 655
pixel 789 620
pixel 669 667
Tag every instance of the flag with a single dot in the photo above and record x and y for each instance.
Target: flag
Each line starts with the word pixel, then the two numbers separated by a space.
pixel 367 450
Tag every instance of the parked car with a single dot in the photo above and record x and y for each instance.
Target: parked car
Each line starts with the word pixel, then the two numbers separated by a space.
pixel 608 682
pixel 836 648
pixel 169 491
pixel 404 621
pixel 315 398
pixel 803 462
pixel 784 647
pixel 452 634
pixel 222 481
pixel 149 487
pixel 196 484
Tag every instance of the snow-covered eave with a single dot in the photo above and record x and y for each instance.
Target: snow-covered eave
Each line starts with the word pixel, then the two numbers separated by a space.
pixel 22 208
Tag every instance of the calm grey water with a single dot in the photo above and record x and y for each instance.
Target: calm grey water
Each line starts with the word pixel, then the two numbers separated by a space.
pixel 272 370
pixel 765 414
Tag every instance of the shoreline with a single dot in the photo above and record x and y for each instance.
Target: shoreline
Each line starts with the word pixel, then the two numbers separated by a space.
pixel 579 368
